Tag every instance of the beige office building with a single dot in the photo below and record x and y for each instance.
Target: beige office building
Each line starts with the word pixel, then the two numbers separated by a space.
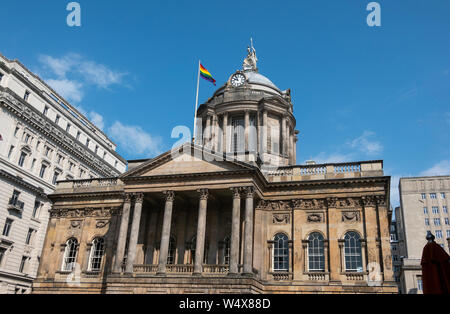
pixel 423 207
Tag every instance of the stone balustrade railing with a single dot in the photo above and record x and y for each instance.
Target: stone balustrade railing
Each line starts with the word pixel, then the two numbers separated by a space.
pixel 326 171
pixel 216 269
pixel 319 276
pixel 282 276
pixel 145 268
pixel 180 268
pixel 355 276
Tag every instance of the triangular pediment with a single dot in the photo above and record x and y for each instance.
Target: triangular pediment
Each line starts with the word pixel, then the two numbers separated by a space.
pixel 188 159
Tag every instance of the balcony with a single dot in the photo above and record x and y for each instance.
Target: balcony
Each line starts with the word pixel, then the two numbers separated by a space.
pixel 15 204
pixel 182 269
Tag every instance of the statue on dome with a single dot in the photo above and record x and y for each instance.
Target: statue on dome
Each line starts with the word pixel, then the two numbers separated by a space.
pixel 250 62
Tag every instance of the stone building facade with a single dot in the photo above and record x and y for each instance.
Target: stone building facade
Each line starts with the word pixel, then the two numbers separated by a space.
pixel 423 207
pixel 43 139
pixel 228 213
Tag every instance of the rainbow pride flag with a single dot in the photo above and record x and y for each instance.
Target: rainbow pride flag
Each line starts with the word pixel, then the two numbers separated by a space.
pixel 206 75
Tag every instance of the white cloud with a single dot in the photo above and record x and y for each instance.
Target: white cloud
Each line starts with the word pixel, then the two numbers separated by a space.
pixel 71 73
pixel 134 140
pixel 97 119
pixel 323 158
pixel 440 169
pixel 70 90
pixel 365 145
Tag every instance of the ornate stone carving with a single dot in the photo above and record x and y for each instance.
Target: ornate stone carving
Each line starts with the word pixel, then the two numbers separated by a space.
pixel 236 193
pixel 82 213
pixel 308 204
pixel 75 224
pixel 315 218
pixel 101 224
pixel 139 197
pixel 127 198
pixel 274 205
pixel 249 191
pixel 170 196
pixel 350 216
pixel 281 219
pixel 204 194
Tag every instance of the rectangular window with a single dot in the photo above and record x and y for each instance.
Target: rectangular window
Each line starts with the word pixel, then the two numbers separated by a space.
pixel 11 149
pixel 447 222
pixel 26 138
pixel 444 209
pixel 448 233
pixel 68 127
pixel 33 163
pixel 433 196
pixel 437 222
pixel 16 131
pixel 78 135
pixel 424 196
pixel 22 158
pixel 87 142
pixel 29 236
pixel 7 227
pixel 55 178
pixel 427 222
pixel 96 149
pixel 439 234
pixel 419 284
pixel 435 210
pixel 42 172
pixel 22 264
pixel 82 173
pixel 26 96
pixel 57 119
pixel 45 110
pixel 2 255
pixel 425 210
pixel 443 195
pixel 37 205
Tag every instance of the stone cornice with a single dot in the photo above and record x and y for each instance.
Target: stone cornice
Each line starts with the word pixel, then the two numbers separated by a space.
pixel 16 105
pixel 85 212
pixel 38 190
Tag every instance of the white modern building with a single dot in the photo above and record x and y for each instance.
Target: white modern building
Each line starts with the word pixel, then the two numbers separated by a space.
pixel 424 203
pixel 43 139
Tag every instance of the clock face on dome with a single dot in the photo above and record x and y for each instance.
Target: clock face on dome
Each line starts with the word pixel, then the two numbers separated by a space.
pixel 238 80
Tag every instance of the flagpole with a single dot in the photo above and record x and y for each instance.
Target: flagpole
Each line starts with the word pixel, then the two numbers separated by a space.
pixel 196 103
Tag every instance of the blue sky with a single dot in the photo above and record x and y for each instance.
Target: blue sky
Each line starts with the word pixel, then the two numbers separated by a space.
pixel 359 92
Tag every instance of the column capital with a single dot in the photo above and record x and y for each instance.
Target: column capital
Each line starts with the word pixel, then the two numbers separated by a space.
pixel 139 197
pixel 170 196
pixel 204 194
pixel 127 197
pixel 236 193
pixel 249 191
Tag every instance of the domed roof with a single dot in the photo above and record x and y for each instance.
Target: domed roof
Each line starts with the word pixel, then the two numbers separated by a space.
pixel 256 78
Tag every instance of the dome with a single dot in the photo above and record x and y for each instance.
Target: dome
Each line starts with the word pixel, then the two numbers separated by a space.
pixel 256 78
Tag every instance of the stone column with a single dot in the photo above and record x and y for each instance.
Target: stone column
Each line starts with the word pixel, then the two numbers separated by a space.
pixel 385 249
pixel 134 232
pixel 248 235
pixel 165 236
pixel 207 131
pixel 201 228
pixel 264 133
pixel 225 132
pixel 235 228
pixel 283 135
pixel 247 130
pixel 122 241
pixel 258 131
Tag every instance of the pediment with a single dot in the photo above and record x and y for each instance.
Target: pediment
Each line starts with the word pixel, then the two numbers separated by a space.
pixel 187 161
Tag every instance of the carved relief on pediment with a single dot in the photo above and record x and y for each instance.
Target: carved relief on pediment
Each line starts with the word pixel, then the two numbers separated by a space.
pixel 101 224
pixel 281 219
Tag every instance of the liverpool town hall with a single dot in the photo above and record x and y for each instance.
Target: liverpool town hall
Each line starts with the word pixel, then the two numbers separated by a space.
pixel 230 212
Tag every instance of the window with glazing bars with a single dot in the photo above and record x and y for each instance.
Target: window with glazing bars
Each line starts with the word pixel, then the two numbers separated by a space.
pixel 281 253
pixel 352 252
pixel 316 254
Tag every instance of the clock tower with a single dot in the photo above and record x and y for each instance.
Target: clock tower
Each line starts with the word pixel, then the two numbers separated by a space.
pixel 250 119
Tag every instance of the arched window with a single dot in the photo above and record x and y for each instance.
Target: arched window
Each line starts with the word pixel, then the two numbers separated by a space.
pixel 281 252
pixel 316 254
pixel 352 252
pixel 96 256
pixel 172 251
pixel 70 255
pixel 226 251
